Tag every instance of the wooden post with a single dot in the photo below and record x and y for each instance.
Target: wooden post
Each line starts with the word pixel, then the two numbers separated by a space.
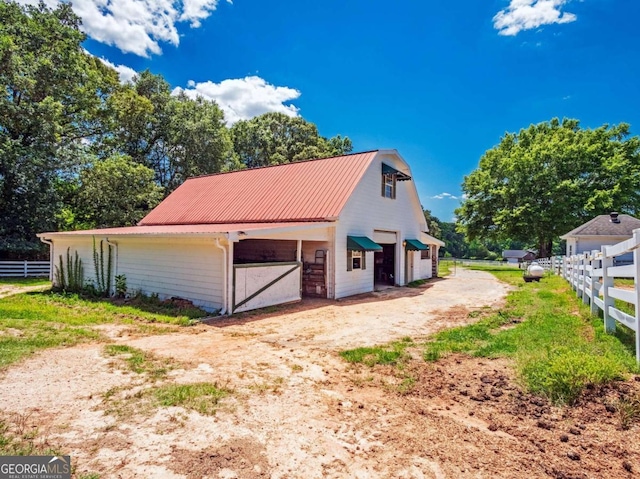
pixel 26 268
pixel 607 282
pixel 636 287
pixel 586 278
pixel 580 274
pixel 595 264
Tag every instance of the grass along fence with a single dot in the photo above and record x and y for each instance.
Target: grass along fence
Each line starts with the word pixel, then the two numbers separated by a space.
pixel 596 280
pixel 24 269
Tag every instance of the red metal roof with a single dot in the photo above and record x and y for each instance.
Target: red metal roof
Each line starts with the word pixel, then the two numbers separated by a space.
pixel 304 191
pixel 182 229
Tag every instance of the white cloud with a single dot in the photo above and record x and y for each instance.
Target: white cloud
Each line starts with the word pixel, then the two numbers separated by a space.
pixel 126 73
pixel 196 10
pixel 137 26
pixel 529 14
pixel 445 196
pixel 244 98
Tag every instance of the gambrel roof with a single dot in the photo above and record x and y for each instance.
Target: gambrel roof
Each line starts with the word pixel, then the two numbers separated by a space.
pixel 314 190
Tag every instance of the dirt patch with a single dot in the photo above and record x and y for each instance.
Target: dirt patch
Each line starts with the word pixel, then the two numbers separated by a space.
pixel 298 410
pixel 238 458
pixel 11 289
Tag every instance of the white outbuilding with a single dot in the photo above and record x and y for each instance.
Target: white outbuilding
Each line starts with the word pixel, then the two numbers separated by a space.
pixel 243 240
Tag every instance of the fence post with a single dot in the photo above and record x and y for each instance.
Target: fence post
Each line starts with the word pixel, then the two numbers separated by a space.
pixel 607 282
pixel 636 287
pixel 586 278
pixel 25 270
pixel 595 264
pixel 580 275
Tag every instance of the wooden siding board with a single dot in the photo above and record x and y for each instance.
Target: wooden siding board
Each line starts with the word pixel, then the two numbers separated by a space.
pixel 188 269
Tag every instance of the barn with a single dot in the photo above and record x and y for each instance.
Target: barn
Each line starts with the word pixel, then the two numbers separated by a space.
pixel 232 242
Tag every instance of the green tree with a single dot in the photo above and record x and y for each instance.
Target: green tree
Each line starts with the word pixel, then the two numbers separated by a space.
pixel 433 223
pixel 175 136
pixel 54 101
pixel 275 138
pixel 455 243
pixel 115 192
pixel 198 143
pixel 549 178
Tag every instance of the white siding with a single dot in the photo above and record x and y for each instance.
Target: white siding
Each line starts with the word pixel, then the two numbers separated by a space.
pixel 426 268
pixel 84 248
pixel 180 267
pixel 588 244
pixel 367 210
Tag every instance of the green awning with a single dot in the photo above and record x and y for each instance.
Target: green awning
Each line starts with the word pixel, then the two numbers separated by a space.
pixel 362 243
pixel 390 170
pixel 415 245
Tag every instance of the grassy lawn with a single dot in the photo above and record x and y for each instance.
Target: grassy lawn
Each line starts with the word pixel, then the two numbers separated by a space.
pixel 445 267
pixel 25 281
pixel 557 347
pixel 33 321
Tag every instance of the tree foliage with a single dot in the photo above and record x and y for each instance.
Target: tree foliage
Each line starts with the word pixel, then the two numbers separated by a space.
pixel 433 224
pixel 115 192
pixel 275 138
pixel 549 178
pixel 78 149
pixel 53 99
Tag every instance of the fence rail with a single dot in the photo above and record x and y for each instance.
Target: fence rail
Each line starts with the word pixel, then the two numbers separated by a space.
pixel 593 277
pixel 24 269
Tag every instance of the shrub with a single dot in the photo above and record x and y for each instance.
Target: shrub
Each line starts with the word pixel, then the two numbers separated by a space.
pixel 564 374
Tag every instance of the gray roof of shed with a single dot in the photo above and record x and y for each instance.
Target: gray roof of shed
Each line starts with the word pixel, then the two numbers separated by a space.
pixel 516 253
pixel 602 226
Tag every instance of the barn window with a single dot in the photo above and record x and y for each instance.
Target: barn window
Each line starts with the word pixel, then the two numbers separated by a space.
pixel 356 260
pixel 389 186
pixel 390 177
pixel 357 247
pixel 425 254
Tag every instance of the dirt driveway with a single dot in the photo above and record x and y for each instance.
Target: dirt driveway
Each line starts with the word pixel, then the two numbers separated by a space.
pixel 297 409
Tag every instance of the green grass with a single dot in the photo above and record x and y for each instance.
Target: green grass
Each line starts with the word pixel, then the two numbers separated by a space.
pixel 558 347
pixel 141 362
pixel 25 281
pixel 34 321
pixel 201 397
pixel 393 353
pixel 445 267
pixel 417 283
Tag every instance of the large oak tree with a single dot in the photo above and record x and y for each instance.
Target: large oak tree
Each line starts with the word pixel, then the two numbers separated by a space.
pixel 549 178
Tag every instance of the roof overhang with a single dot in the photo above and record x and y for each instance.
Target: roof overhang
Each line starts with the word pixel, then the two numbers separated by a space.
pixel 428 239
pixel 596 237
pixel 212 230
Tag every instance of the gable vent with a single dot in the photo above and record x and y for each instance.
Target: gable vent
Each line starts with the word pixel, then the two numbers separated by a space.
pixel 614 217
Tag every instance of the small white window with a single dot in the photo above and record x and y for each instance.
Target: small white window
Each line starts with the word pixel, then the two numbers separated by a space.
pixel 356 260
pixel 389 185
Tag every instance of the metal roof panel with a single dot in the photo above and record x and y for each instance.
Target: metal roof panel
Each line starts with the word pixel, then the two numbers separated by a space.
pixel 303 191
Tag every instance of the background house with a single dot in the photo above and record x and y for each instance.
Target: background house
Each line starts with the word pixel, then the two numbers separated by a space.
pixel 230 242
pixel 601 230
pixel 515 256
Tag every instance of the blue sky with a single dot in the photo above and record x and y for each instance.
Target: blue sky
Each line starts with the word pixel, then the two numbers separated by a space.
pixel 440 81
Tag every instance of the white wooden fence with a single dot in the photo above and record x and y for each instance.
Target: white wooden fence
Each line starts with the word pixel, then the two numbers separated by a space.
pixel 24 269
pixel 592 275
